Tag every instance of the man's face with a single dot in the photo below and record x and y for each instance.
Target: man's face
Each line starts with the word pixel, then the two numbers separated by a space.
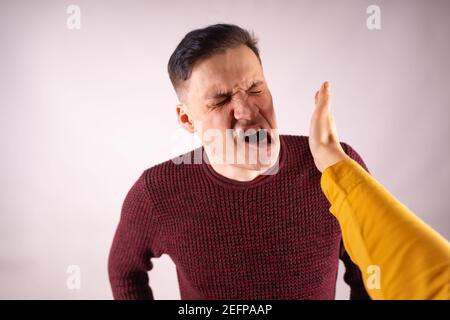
pixel 227 95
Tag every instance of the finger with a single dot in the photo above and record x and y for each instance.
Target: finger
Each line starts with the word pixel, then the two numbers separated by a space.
pixel 323 99
pixel 324 94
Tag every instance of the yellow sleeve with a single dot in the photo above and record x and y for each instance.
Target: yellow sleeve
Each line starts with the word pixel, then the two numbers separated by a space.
pixel 384 238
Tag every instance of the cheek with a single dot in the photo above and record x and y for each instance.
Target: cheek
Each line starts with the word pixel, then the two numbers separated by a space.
pixel 264 104
pixel 218 119
pixel 262 101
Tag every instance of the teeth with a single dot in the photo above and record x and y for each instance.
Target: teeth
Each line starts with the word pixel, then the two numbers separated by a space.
pixel 251 132
pixel 253 135
pixel 241 134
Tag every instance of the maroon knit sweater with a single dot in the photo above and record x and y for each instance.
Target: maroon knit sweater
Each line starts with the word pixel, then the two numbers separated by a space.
pixel 269 238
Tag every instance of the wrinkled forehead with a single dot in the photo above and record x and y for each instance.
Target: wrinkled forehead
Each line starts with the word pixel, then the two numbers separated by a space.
pixel 223 72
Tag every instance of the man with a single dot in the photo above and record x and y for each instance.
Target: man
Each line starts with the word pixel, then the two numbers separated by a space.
pixel 249 221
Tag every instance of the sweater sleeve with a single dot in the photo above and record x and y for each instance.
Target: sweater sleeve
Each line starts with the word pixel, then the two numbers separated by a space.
pixel 380 233
pixel 352 275
pixel 134 244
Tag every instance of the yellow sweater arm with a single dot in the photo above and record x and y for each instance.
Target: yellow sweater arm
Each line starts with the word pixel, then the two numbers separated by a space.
pixel 400 257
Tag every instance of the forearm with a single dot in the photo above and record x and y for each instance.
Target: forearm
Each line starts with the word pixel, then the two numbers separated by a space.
pixel 379 230
pixel 127 282
pixel 128 266
pixel 134 245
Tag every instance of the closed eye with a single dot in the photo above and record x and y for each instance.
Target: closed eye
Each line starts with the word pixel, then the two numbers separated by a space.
pixel 254 88
pixel 221 103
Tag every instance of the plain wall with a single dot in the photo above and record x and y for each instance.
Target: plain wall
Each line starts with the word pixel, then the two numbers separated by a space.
pixel 84 112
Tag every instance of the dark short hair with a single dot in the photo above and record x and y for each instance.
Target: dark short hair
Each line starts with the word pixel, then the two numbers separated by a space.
pixel 202 43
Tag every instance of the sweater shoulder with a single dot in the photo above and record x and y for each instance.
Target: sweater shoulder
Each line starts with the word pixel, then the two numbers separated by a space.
pixel 295 141
pixel 298 146
pixel 352 153
pixel 302 141
pixel 170 175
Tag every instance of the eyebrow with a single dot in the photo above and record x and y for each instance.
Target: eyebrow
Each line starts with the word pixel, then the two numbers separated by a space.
pixel 226 94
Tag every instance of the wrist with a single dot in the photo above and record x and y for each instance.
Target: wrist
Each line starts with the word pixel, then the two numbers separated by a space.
pixel 329 158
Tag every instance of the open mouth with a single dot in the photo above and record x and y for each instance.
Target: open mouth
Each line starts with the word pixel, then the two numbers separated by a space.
pixel 256 136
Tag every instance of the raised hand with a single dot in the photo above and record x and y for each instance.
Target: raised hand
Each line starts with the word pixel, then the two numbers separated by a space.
pixel 323 138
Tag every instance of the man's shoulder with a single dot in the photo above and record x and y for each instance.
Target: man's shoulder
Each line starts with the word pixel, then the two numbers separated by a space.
pixel 302 141
pixel 298 146
pixel 294 141
pixel 174 171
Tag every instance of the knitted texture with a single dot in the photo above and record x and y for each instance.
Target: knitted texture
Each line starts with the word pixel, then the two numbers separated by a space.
pixel 269 238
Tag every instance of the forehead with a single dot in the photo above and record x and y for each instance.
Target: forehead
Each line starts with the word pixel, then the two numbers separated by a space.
pixel 224 71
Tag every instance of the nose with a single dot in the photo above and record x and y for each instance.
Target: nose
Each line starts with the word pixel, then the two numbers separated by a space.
pixel 242 109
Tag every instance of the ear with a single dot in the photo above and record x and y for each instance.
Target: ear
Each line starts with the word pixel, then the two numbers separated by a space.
pixel 183 118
